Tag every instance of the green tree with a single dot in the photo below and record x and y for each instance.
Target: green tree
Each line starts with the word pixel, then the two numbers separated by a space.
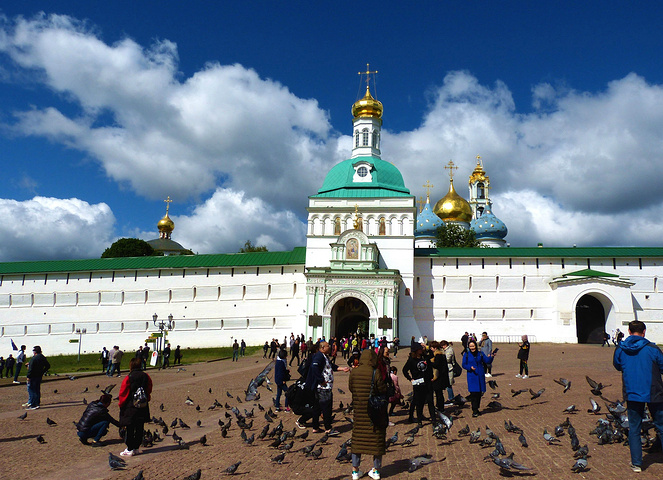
pixel 250 247
pixel 128 247
pixel 451 235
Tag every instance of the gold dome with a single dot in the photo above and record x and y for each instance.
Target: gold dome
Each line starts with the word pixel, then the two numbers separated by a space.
pixel 166 224
pixel 452 207
pixel 367 107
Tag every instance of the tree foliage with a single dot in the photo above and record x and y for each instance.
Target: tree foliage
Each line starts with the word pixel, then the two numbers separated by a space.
pixel 451 235
pixel 250 247
pixel 129 247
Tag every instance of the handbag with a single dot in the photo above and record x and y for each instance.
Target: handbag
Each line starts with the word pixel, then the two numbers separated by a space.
pixel 456 369
pixel 377 407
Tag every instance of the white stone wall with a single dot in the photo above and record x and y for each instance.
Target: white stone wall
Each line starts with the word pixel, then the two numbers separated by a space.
pixel 210 308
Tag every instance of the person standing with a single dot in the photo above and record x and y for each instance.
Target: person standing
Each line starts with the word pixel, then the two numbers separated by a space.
pixel 641 364
pixel 440 380
pixel 281 376
pixel 116 360
pixel 294 352
pixel 242 348
pixel 134 414
pixel 145 357
pixel 104 360
pixel 418 370
pixel 448 350
pixel 178 356
pixel 20 360
pixel 265 347
pixel 36 368
pixel 486 345
pixel 523 356
pixel 606 339
pixel 473 362
pixel 9 366
pixel 111 354
pixel 366 438
pixel 166 356
pixel 235 351
pixel 463 341
pixel 95 420
pixel 272 348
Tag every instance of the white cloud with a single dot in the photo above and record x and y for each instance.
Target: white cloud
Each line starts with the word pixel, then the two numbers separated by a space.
pixel 54 229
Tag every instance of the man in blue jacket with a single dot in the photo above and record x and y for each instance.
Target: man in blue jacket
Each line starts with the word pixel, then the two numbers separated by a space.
pixel 641 364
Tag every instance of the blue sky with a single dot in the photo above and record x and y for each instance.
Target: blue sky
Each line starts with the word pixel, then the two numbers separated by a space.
pixel 237 112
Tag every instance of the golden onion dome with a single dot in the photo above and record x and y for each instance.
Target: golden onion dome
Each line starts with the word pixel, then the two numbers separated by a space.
pixel 452 207
pixel 367 106
pixel 166 224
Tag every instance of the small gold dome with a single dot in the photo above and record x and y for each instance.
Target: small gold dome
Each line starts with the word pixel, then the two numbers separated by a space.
pixel 479 174
pixel 367 107
pixel 166 224
pixel 452 207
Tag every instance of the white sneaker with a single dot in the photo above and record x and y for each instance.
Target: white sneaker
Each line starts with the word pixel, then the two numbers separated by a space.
pixel 127 453
pixel 357 474
pixel 27 404
pixel 374 474
pixel 518 375
pixel 525 376
pixel 16 383
pixel 488 375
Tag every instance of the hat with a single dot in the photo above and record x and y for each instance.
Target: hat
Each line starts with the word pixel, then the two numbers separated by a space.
pixel 416 347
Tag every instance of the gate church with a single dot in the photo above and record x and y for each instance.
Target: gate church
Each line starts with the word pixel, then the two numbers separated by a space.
pixel 369 263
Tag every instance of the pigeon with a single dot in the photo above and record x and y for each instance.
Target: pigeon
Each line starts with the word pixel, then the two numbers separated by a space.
pixel 173 424
pixel 251 439
pixel 263 432
pixel 581 452
pixel 575 443
pixel 515 393
pixel 596 387
pixel 408 441
pixel 308 449
pixel 419 461
pixel 580 465
pixel 549 438
pixel 176 437
pixel 197 408
pixel 315 453
pixel 563 382
pixel 447 421
pixel 71 377
pixel 164 430
pixel 343 455
pixel 475 435
pixel 239 399
pixel 24 416
pixel 243 435
pixel 494 405
pixel 261 408
pixel 559 431
pixel 86 390
pixel 491 434
pixel 210 390
pixel 199 423
pixel 55 391
pixel 84 401
pixel 413 432
pixel 194 476
pixel 115 462
pixel 340 391
pixel 536 394
pixel 392 440
pixel 139 476
pixel 181 369
pixel 570 409
pixel 182 424
pixel 303 436
pixel 495 396
pixel 596 408
pixel 323 439
pixel 268 418
pixel 523 440
pixel 228 394
pixel 40 439
pixel 203 440
pixel 188 401
pixel 340 405
pixel 464 431
pixel 279 458
pixel 52 423
pixel 286 446
pixel 492 384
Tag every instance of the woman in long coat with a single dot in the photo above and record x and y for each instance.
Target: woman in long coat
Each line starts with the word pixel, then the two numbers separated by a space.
pixel 473 362
pixel 365 437
pixel 451 358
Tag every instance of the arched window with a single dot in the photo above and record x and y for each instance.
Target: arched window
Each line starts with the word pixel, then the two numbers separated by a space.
pixel 357 138
pixel 480 211
pixel 364 137
pixel 383 227
pixel 337 224
pixel 481 191
pixel 375 138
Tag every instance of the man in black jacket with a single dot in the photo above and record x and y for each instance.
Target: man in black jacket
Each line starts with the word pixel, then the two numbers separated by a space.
pixel 95 420
pixel 36 368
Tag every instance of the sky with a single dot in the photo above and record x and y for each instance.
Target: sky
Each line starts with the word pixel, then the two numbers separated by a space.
pixel 238 110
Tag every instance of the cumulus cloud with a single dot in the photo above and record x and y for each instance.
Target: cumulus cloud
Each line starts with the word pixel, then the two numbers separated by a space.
pixel 54 229
pixel 583 167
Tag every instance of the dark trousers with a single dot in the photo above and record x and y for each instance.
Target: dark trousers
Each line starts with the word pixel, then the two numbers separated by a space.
pixel 419 399
pixel 133 436
pixel 523 367
pixel 34 392
pixel 475 401
pixel 324 399
pixel 166 361
pixel 18 370
pixel 295 354
pixel 438 390
pixel 104 365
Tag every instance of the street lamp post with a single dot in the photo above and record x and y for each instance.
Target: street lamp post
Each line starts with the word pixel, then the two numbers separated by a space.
pixel 162 326
pixel 80 332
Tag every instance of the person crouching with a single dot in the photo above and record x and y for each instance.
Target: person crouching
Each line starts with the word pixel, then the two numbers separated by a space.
pixel 95 420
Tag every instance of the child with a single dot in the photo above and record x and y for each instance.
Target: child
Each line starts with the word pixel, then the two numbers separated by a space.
pixel 397 399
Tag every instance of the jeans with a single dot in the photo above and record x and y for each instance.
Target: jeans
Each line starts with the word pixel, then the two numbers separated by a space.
pixel 636 410
pixel 115 367
pixel 18 370
pixel 235 355
pixel 96 431
pixel 356 461
pixel 450 392
pixel 34 391
pixel 279 390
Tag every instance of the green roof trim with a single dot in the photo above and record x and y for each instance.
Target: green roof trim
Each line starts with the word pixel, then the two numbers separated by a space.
pixel 366 192
pixel 539 252
pixel 255 259
pixel 588 272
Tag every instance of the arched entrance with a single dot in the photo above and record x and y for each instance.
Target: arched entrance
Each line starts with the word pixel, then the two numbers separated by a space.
pixel 348 315
pixel 590 320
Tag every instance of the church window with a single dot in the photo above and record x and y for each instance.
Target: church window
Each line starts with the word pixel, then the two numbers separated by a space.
pixel 383 227
pixel 375 138
pixel 481 191
pixel 337 226
pixel 364 137
pixel 357 138
pixel 479 211
pixel 352 249
pixel 362 171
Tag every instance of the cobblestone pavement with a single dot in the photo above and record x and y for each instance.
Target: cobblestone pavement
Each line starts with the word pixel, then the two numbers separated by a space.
pixel 63 457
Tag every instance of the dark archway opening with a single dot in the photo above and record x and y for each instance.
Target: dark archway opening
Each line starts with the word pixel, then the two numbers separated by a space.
pixel 349 315
pixel 590 320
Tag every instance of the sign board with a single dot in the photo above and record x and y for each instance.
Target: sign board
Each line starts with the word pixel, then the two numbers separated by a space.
pixel 385 323
pixel 315 320
pixel 150 340
pixel 73 340
pixel 156 335
pixel 154 358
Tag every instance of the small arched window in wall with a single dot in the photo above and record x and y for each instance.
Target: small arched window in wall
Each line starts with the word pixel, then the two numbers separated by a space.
pixel 337 224
pixel 357 138
pixel 481 191
pixel 364 137
pixel 382 227
pixel 352 249
pixel 375 138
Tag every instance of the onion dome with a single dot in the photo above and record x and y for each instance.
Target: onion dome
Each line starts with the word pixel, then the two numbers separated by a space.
pixel 488 226
pixel 166 225
pixel 367 106
pixel 427 222
pixel 452 207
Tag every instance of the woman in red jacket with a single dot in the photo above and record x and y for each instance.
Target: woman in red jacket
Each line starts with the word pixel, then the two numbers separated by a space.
pixel 134 407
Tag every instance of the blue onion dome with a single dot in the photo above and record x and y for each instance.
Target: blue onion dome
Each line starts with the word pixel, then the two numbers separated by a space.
pixel 427 222
pixel 488 226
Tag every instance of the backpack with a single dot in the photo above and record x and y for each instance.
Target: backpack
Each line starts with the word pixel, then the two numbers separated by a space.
pixel 140 398
pixel 297 397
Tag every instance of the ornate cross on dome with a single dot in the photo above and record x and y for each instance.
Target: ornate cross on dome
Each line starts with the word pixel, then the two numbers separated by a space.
pixel 479 161
pixel 428 186
pixel 367 73
pixel 168 201
pixel 421 204
pixel 451 167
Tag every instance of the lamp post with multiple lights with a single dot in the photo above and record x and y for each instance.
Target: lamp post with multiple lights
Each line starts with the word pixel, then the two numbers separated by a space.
pixel 163 327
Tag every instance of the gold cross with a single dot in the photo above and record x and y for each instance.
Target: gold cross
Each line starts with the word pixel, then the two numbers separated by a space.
pixel 367 73
pixel 168 202
pixel 421 204
pixel 428 186
pixel 450 166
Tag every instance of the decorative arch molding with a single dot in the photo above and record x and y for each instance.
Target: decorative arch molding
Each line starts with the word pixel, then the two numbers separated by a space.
pixel 607 300
pixel 372 309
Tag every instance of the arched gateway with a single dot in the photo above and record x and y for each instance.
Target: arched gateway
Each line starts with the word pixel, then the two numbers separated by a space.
pixel 348 316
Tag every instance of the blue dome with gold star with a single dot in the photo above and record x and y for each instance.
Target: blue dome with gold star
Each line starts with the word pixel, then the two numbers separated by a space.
pixel 427 222
pixel 488 226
